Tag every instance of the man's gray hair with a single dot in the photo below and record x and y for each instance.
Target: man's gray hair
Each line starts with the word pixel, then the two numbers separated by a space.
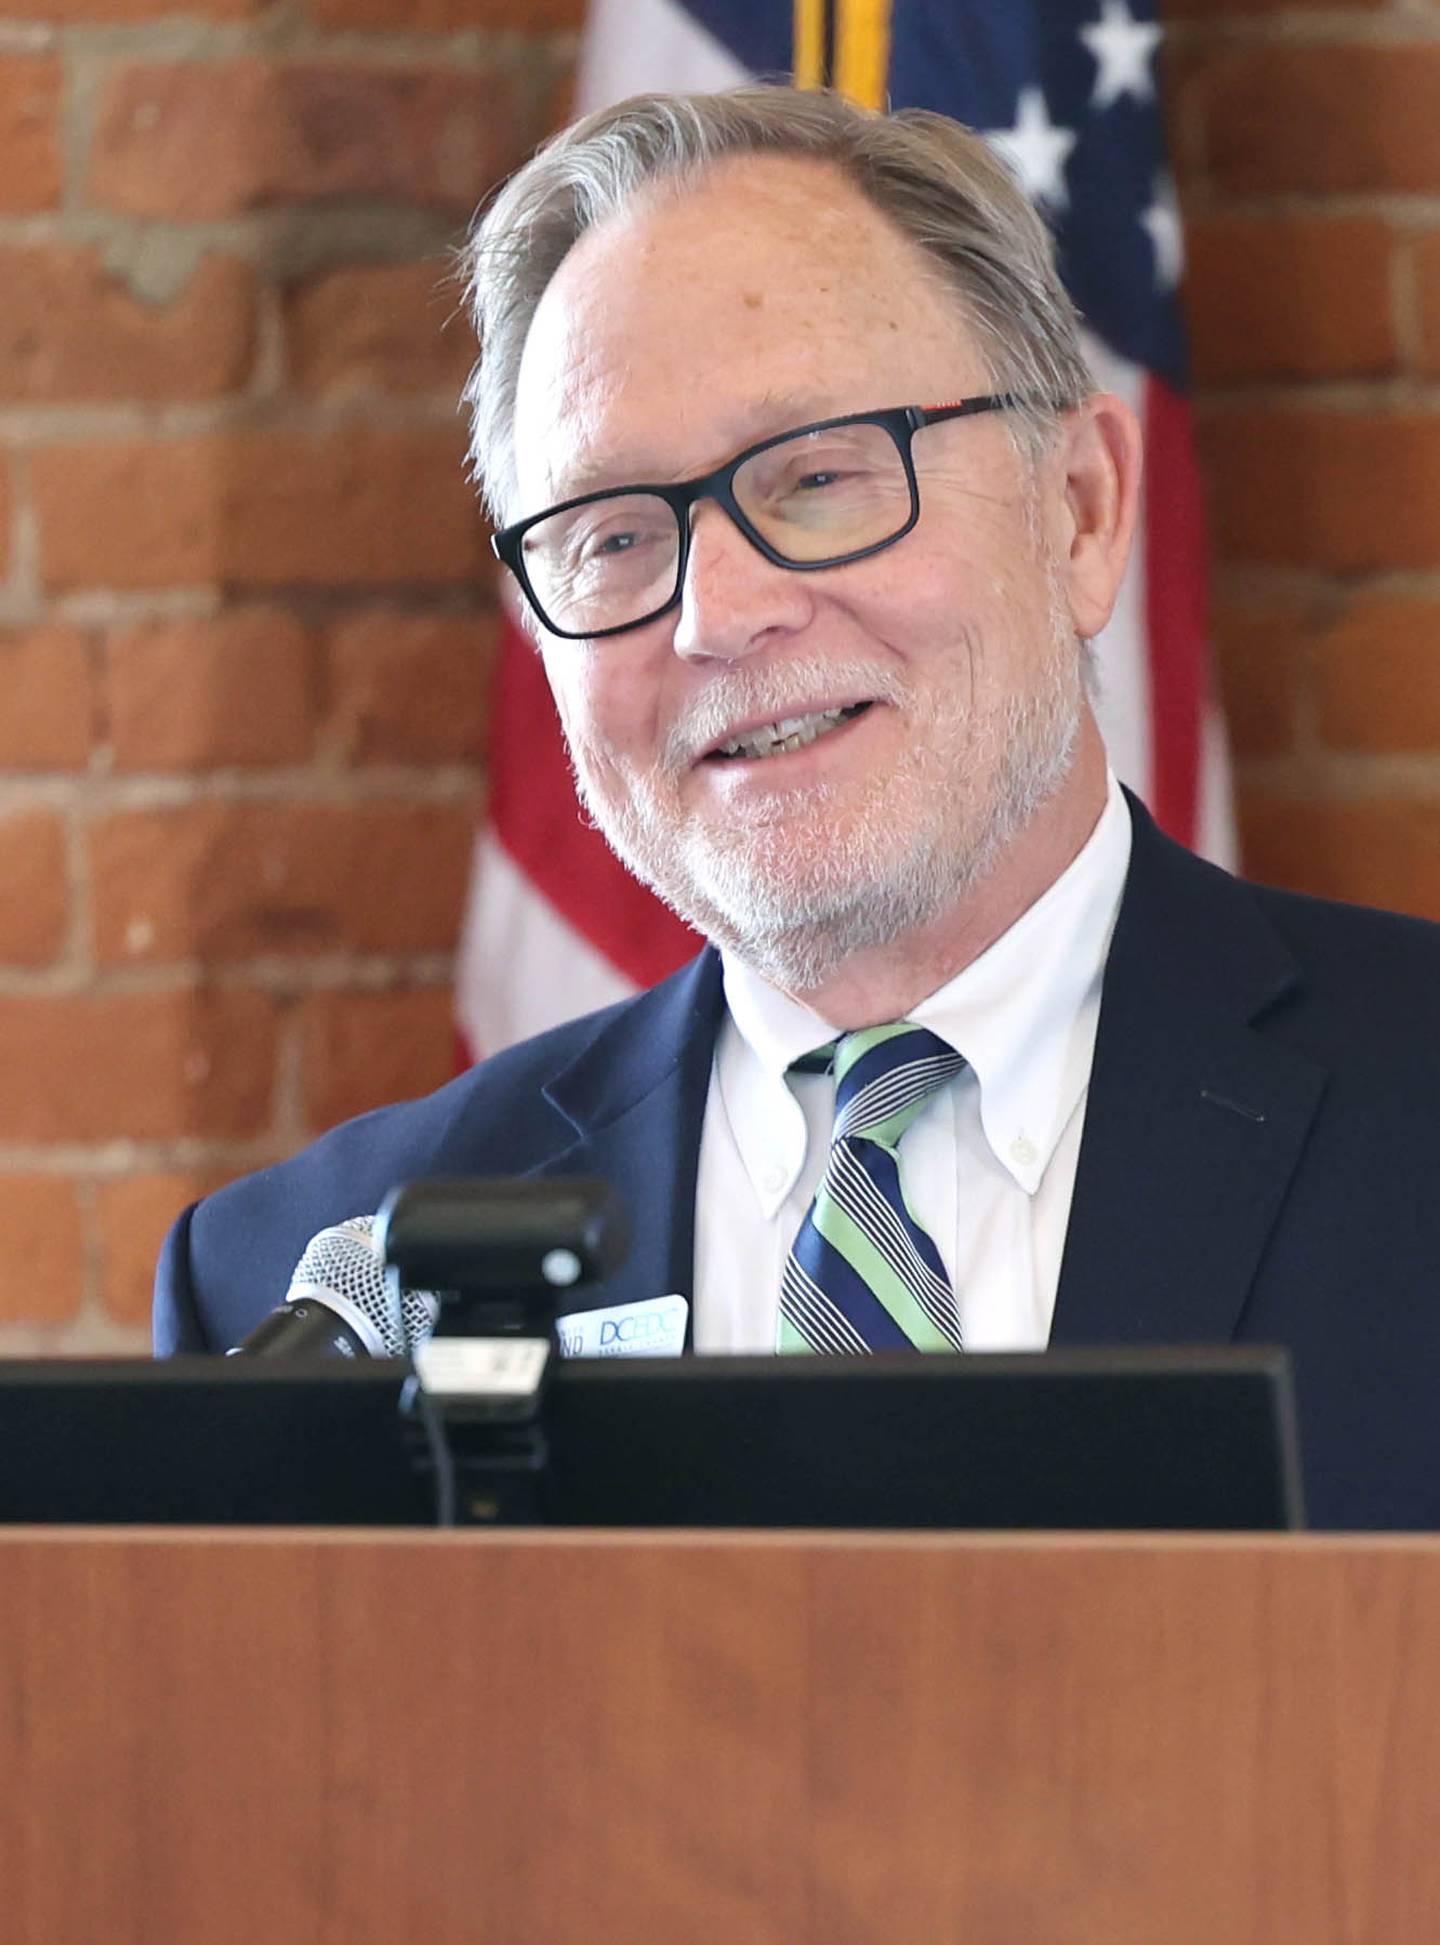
pixel 937 182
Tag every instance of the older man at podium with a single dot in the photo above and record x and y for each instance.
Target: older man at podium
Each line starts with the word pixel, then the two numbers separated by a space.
pixel 784 421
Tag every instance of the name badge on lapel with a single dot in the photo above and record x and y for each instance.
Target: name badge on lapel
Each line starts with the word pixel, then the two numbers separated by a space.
pixel 654 1328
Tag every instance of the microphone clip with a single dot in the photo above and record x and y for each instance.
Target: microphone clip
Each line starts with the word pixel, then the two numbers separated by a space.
pixel 497 1255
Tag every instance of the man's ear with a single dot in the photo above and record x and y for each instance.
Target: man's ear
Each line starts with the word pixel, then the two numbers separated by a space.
pixel 1098 470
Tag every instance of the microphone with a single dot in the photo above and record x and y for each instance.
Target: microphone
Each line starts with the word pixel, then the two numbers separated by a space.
pixel 340 1305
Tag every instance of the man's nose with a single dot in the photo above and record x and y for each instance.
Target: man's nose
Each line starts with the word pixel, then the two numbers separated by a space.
pixel 733 600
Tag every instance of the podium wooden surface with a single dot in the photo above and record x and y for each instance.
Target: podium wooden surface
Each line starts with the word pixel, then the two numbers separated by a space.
pixel 551 1737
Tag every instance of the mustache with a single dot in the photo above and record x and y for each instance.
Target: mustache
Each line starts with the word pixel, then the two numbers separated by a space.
pixel 782 689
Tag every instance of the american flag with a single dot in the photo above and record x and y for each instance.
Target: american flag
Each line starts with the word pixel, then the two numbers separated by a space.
pixel 1067 91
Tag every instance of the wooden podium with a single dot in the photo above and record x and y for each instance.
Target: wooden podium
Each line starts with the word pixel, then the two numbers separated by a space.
pixel 275 1739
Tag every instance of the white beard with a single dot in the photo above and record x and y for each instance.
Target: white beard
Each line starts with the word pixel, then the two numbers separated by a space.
pixel 791 891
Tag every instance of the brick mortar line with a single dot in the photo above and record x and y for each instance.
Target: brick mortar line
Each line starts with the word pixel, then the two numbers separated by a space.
pixel 1229 580
pixel 1411 219
pixel 1242 579
pixel 22 583
pixel 31 228
pixel 1312 755
pixel 326 603
pixel 1358 771
pixel 1406 310
pixel 1307 28
pixel 116 1161
pixel 80 814
pixel 1416 211
pixel 102 714
pixel 127 607
pixel 319 607
pixel 1345 777
pixel 287 1085
pixel 110 793
pixel 11 594
pixel 1286 777
pixel 356 975
pixel 348 975
pixel 357 218
pixel 82 1335
pixel 34 428
pixel 92 1258
pixel 1305 715
pixel 270 379
pixel 28 37
pixel 79 88
pixel 287 38
pixel 77 953
pixel 1384 398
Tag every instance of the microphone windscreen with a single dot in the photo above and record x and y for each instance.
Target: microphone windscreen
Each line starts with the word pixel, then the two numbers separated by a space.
pixel 340 1267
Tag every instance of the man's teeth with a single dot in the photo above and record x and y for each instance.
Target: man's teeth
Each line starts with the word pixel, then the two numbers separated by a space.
pixel 789 733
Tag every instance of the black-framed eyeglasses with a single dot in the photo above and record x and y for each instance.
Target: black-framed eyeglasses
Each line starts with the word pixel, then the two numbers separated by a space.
pixel 818 496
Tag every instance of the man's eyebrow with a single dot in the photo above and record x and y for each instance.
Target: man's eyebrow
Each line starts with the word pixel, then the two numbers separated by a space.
pixel 775 412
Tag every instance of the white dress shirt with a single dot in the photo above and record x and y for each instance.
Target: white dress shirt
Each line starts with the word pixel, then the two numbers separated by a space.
pixel 988 1165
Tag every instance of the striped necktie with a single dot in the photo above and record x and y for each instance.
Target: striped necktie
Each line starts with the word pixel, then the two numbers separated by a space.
pixel 862 1275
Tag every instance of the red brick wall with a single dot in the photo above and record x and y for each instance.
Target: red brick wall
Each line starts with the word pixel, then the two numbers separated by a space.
pixel 244 610
pixel 245 607
pixel 1307 144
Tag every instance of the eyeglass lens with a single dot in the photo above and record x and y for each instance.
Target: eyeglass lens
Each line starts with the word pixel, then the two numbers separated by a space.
pixel 814 498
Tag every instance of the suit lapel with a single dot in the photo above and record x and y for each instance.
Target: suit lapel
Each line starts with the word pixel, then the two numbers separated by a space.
pixel 1195 1119
pixel 634 1102
pixel 1194 1123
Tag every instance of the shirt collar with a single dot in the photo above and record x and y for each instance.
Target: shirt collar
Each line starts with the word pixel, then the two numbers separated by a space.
pixel 763 1033
pixel 1023 1014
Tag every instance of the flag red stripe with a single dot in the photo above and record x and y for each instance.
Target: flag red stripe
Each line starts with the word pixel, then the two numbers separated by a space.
pixel 1175 609
pixel 535 816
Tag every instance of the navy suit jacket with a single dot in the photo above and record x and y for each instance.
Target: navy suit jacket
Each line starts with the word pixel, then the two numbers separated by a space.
pixel 1260 1162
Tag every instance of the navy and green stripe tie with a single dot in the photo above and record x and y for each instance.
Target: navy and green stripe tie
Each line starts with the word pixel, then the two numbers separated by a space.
pixel 862 1274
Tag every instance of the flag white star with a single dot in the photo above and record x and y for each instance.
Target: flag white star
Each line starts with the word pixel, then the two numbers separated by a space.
pixel 1124 48
pixel 1036 149
pixel 1162 222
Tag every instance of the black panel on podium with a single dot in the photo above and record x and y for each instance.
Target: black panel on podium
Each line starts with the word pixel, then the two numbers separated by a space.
pixel 1183 1439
